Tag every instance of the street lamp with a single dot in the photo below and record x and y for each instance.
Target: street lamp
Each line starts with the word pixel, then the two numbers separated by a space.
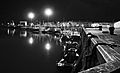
pixel 31 16
pixel 48 12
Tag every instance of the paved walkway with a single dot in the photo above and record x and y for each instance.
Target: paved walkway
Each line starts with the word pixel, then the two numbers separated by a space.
pixel 106 37
pixel 112 55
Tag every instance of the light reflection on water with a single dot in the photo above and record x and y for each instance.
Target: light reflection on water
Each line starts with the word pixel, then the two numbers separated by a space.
pixel 37 37
pixel 31 40
pixel 11 32
pixel 23 33
pixel 48 46
pixel 25 51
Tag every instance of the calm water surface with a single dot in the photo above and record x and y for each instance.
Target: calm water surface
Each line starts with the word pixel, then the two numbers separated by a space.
pixel 26 52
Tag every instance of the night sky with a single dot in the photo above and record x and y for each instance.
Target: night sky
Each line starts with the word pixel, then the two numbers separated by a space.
pixel 92 10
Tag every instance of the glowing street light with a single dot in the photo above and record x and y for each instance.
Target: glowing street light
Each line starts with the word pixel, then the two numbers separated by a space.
pixel 31 15
pixel 48 12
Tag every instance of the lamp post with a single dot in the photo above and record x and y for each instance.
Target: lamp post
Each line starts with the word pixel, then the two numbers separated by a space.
pixel 31 16
pixel 48 12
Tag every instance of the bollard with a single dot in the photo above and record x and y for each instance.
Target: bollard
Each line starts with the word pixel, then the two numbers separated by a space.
pixel 111 29
pixel 100 28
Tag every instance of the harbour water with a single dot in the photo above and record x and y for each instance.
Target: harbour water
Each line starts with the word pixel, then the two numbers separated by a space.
pixel 27 52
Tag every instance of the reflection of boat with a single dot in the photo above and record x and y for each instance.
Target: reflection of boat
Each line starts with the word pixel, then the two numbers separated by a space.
pixel 11 31
pixel 44 37
pixel 23 33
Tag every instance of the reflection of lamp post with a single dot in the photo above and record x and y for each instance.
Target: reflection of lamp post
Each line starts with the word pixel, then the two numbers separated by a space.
pixel 48 12
pixel 47 46
pixel 30 40
pixel 31 15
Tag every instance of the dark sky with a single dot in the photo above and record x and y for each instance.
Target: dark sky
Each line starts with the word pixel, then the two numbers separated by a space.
pixel 94 10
